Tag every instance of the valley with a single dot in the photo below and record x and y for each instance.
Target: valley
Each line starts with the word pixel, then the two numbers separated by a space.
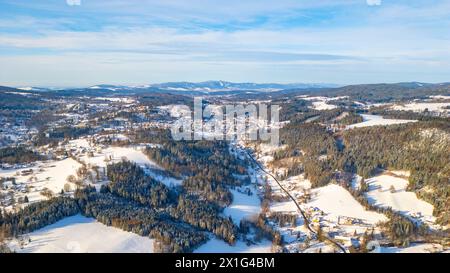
pixel 347 173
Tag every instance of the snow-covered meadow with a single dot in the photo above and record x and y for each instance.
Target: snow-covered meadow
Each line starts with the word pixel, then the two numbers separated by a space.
pixel 101 157
pixel 336 201
pixel 438 107
pixel 78 234
pixel 31 181
pixel 41 179
pixel 390 191
pixel 321 103
pixel 246 204
pixel 415 248
pixel 375 120
pixel 218 246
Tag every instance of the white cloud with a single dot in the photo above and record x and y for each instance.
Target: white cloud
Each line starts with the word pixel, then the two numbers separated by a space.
pixel 73 2
pixel 373 2
pixel 390 43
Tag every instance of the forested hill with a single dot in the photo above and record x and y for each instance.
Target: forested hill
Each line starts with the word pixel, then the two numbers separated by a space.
pixel 421 148
pixel 380 92
pixel 13 99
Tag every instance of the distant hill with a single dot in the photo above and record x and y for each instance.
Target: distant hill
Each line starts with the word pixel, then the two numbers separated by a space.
pixel 366 92
pixel 212 86
pixel 182 88
pixel 13 99
pixel 380 92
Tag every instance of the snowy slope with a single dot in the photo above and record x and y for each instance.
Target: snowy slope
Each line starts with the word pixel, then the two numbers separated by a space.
pixel 244 206
pixel 374 120
pixel 415 248
pixel 422 106
pixel 219 246
pixel 51 175
pixel 405 202
pixel 78 234
pixel 116 154
pixel 337 201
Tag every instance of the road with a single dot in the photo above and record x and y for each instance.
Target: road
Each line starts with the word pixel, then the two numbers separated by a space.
pixel 307 222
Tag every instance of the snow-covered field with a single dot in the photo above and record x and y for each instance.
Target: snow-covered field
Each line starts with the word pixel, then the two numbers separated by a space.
pixel 175 111
pixel 336 201
pixel 440 97
pixel 116 99
pixel 398 199
pixel 321 103
pixel 218 246
pixel 78 234
pixel 32 180
pixel 116 154
pixel 103 157
pixel 106 155
pixel 23 94
pixel 415 248
pixel 422 106
pixel 244 206
pixel 51 175
pixel 374 120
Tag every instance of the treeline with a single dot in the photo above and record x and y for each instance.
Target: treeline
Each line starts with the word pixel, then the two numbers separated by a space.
pixel 129 181
pixel 401 230
pixel 52 136
pixel 207 166
pixel 69 132
pixel 329 116
pixel 154 99
pixel 338 116
pixel 37 215
pixel 311 139
pixel 351 118
pixel 153 135
pixel 204 215
pixel 16 155
pixel 295 109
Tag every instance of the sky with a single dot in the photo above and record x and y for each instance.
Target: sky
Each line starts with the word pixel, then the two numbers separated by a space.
pixel 74 43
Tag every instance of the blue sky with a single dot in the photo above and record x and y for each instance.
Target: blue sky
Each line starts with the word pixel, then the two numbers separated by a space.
pixel 133 42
